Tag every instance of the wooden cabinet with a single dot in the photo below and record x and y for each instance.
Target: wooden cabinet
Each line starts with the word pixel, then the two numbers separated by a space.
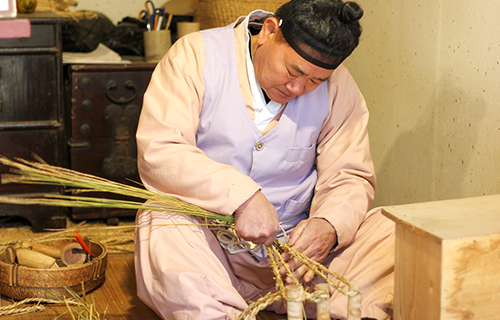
pixel 104 102
pixel 32 110
pixel 83 117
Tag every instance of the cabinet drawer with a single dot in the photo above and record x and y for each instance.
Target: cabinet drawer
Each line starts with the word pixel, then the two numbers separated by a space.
pixel 107 104
pixel 42 35
pixel 106 157
pixel 29 88
pixel 23 144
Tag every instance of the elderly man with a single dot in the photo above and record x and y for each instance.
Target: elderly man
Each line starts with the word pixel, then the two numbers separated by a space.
pixel 260 120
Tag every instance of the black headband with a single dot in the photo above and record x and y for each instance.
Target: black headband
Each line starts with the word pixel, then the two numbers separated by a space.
pixel 310 49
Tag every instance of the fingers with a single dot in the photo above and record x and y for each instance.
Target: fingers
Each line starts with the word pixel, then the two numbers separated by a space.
pixel 301 272
pixel 266 239
pixel 309 238
pixel 257 233
pixel 296 233
pixel 256 220
pixel 309 276
pixel 270 240
pixel 292 267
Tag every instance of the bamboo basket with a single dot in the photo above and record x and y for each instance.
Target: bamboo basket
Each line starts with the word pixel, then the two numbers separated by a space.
pixel 219 13
pixel 55 5
pixel 19 282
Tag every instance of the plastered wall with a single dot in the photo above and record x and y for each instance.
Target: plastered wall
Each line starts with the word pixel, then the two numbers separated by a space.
pixel 430 72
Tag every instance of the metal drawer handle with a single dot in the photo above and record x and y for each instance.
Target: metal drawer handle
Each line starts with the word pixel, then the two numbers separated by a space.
pixel 112 86
pixel 80 144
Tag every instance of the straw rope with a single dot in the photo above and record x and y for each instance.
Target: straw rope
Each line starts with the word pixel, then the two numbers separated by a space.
pixel 16 308
pixel 255 307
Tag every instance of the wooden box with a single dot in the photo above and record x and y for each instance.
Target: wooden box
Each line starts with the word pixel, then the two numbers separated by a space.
pixel 105 102
pixel 447 262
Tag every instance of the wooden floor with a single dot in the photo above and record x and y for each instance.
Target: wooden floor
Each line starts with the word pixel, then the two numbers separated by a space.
pixel 117 296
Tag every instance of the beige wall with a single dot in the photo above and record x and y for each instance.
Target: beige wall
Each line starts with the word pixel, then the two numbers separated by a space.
pixel 430 72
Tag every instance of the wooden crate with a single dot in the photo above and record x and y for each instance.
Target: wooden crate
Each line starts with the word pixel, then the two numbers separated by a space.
pixel 447 259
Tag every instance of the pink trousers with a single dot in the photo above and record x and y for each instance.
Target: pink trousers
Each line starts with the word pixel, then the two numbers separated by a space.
pixel 183 273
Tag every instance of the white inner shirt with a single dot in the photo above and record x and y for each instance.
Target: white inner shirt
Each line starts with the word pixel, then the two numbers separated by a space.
pixel 264 112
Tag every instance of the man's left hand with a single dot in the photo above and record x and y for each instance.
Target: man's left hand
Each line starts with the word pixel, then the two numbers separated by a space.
pixel 314 238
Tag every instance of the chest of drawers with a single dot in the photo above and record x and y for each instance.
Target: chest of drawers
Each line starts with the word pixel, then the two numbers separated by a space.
pixel 32 111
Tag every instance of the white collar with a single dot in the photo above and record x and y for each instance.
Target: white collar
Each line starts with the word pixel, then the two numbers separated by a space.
pixel 264 112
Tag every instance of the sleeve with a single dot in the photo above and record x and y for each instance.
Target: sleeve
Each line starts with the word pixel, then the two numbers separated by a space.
pixel 168 159
pixel 346 179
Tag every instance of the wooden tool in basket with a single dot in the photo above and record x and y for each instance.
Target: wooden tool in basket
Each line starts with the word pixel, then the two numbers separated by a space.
pixel 21 282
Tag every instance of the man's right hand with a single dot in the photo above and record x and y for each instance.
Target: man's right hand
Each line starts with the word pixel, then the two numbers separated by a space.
pixel 256 220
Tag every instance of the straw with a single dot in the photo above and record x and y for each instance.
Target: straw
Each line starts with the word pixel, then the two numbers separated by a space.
pixel 28 172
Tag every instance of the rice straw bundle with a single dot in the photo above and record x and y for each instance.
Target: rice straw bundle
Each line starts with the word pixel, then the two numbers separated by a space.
pixel 28 172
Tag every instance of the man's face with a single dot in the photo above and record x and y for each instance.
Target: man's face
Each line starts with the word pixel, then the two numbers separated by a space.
pixel 280 71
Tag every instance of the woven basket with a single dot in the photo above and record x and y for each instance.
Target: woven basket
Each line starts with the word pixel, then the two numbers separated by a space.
pixel 219 13
pixel 19 282
pixel 55 5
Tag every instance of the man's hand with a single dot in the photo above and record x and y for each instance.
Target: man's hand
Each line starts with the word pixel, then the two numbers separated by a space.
pixel 256 220
pixel 314 238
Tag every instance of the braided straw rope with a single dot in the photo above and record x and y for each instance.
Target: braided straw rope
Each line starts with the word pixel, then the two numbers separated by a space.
pixel 16 308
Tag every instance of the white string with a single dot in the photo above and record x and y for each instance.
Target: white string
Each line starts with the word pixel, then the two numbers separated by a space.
pixel 284 233
pixel 230 241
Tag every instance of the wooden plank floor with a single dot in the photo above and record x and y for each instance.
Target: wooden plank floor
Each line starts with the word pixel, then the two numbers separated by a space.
pixel 117 296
